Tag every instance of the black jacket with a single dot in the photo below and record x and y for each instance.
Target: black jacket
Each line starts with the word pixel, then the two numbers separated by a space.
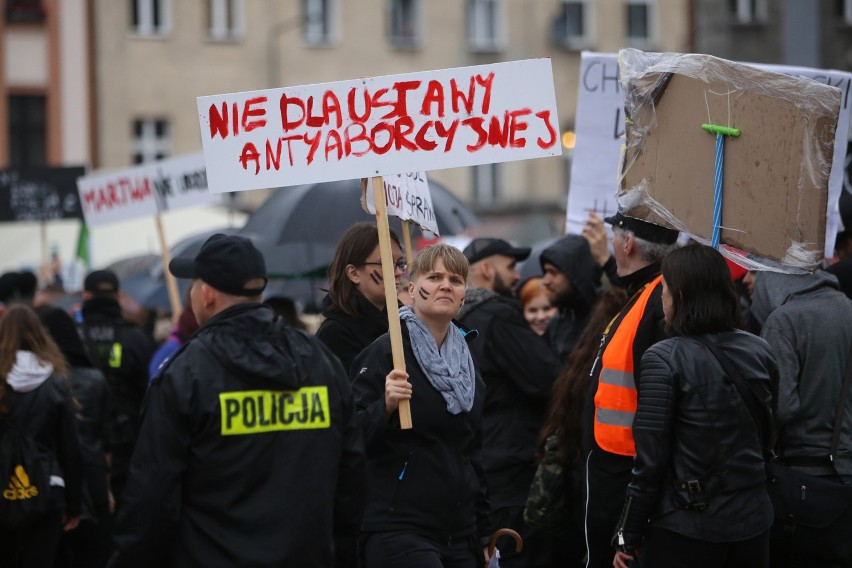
pixel 348 335
pixel 518 368
pixel 699 468
pixel 428 479
pixel 249 453
pixel 47 413
pixel 573 257
pixel 122 352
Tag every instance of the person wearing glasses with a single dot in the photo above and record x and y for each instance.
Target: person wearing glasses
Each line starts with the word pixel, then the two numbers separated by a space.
pixel 427 496
pixel 354 309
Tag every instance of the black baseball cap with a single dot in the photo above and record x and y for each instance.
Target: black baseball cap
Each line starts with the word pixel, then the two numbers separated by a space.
pixel 101 282
pixel 479 249
pixel 643 229
pixel 225 262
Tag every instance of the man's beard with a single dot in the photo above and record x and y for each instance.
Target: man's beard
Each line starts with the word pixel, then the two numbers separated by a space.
pixel 565 301
pixel 501 288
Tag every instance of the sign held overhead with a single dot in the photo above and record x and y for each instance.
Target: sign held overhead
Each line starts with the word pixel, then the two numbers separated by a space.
pixel 380 126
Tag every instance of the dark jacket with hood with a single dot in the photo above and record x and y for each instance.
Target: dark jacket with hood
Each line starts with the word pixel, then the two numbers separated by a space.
pixel 572 256
pixel 808 323
pixel 518 368
pixel 249 453
pixel 699 469
pixel 89 389
pixel 122 352
pixel 428 479
pixel 347 335
pixel 39 402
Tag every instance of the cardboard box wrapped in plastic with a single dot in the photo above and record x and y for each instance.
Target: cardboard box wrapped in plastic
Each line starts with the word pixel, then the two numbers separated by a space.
pixel 774 177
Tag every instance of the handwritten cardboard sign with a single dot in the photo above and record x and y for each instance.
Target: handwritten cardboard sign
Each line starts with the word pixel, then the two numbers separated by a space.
pixel 380 126
pixel 407 198
pixel 145 190
pixel 600 136
pixel 39 194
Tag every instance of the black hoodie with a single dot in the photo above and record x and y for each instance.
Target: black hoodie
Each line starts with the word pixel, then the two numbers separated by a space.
pixel 572 256
pixel 249 453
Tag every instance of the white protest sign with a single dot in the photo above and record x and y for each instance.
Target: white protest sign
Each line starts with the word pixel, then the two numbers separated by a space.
pixel 407 197
pixel 380 126
pixel 600 135
pixel 145 190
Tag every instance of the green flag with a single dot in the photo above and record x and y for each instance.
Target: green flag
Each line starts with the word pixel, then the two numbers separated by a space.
pixel 83 252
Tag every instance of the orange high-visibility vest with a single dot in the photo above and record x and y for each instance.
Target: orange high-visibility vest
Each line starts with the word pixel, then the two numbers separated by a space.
pixel 616 398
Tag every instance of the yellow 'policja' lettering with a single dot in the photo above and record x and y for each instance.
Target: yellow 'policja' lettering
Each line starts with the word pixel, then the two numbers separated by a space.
pixel 255 412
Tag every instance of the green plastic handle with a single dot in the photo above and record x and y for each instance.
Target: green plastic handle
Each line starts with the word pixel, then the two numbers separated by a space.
pixel 723 130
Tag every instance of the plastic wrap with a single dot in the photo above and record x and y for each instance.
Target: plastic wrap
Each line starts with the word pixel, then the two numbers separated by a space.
pixel 775 184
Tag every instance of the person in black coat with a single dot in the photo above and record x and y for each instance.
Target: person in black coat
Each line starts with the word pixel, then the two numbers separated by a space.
pixel 122 352
pixel 698 492
pixel 427 504
pixel 88 546
pixel 34 396
pixel 354 309
pixel 518 368
pixel 249 452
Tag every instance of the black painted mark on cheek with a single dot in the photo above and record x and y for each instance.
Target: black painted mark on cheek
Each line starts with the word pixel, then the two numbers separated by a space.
pixel 423 294
pixel 376 276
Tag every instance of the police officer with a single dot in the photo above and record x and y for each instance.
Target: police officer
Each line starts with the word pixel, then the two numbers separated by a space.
pixel 121 351
pixel 249 453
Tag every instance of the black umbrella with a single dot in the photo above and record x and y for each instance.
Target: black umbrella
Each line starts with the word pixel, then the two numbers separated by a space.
pixel 147 284
pixel 298 228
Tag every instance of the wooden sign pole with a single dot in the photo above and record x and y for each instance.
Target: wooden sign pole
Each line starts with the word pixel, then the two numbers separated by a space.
pixel 406 239
pixel 171 282
pixel 394 329
pixel 45 253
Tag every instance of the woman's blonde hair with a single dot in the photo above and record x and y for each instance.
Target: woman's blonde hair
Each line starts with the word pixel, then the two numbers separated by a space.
pixel 454 261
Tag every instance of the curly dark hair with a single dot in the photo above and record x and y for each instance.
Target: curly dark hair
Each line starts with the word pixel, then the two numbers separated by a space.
pixel 565 413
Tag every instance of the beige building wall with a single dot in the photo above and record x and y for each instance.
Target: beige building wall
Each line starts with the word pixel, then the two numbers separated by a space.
pixel 49 58
pixel 161 77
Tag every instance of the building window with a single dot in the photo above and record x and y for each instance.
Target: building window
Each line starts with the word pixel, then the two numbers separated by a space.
pixel 27 130
pixel 486 184
pixel 24 11
pixel 319 21
pixel 639 24
pixel 844 11
pixel 750 12
pixel 485 25
pixel 151 140
pixel 225 19
pixel 150 17
pixel 570 28
pixel 405 23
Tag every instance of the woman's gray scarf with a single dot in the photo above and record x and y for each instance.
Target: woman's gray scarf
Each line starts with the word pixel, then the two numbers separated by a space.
pixel 450 371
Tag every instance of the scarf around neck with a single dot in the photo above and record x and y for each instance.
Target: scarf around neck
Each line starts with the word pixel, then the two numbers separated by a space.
pixel 450 371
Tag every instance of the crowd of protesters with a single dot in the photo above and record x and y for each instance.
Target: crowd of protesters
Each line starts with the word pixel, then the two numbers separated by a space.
pixel 243 439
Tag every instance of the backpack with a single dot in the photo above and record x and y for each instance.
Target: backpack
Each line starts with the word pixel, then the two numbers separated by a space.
pixel 25 467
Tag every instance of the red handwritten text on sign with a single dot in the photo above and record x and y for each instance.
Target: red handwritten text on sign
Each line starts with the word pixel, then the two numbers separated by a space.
pixel 392 118
pixel 118 193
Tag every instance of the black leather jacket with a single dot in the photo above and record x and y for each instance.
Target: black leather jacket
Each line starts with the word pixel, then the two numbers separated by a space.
pixel 699 468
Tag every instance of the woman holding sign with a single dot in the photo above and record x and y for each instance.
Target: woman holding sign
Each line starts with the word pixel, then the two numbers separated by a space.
pixel 354 309
pixel 427 501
